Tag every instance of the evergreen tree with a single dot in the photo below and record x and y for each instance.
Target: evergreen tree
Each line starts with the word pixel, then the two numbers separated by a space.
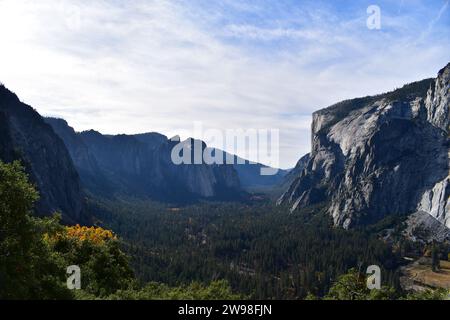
pixel 435 259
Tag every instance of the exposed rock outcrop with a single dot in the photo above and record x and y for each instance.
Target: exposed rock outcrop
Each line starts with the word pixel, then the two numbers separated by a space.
pixel 380 155
pixel 421 226
pixel 436 202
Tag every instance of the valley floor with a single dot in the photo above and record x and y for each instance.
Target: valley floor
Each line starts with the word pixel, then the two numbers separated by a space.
pixel 260 249
pixel 418 275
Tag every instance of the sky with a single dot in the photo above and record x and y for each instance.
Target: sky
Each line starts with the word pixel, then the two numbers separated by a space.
pixel 161 66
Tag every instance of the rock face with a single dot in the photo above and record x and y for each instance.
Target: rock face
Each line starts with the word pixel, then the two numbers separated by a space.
pixel 380 155
pixel 141 166
pixel 25 136
pixel 423 227
pixel 436 202
pixel 292 175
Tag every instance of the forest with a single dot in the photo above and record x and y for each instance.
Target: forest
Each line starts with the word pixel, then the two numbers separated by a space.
pixel 258 248
pixel 202 251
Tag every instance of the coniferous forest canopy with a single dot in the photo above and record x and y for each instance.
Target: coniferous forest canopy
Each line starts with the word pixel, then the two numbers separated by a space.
pixel 203 251
pixel 262 252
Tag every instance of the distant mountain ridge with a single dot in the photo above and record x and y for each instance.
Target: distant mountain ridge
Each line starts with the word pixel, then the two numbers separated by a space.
pixel 249 173
pixel 62 162
pixel 380 155
pixel 140 165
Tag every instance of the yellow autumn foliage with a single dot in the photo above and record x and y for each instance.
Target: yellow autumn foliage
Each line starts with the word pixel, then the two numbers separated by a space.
pixel 96 235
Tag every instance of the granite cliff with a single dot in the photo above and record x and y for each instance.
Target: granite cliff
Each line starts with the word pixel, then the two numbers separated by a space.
pixel 141 166
pixel 380 155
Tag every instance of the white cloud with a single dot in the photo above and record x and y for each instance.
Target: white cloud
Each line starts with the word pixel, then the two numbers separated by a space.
pixel 160 66
pixel 257 33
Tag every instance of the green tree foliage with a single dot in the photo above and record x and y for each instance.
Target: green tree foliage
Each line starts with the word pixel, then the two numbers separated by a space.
pixel 35 252
pixel 104 267
pixel 350 286
pixel 216 290
pixel 32 266
pixel 353 286
pixel 260 250
pixel 28 270
pixel 438 294
pixel 435 258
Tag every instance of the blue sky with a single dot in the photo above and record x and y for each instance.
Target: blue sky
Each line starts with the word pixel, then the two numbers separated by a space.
pixel 139 66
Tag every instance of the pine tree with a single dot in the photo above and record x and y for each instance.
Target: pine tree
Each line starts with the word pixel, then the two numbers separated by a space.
pixel 435 260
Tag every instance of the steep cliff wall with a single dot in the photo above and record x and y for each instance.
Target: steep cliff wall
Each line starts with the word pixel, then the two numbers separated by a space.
pixel 380 155
pixel 25 136
pixel 141 165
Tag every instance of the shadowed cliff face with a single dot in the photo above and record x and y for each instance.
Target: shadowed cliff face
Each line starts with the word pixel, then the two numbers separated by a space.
pixel 25 136
pixel 141 166
pixel 380 155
